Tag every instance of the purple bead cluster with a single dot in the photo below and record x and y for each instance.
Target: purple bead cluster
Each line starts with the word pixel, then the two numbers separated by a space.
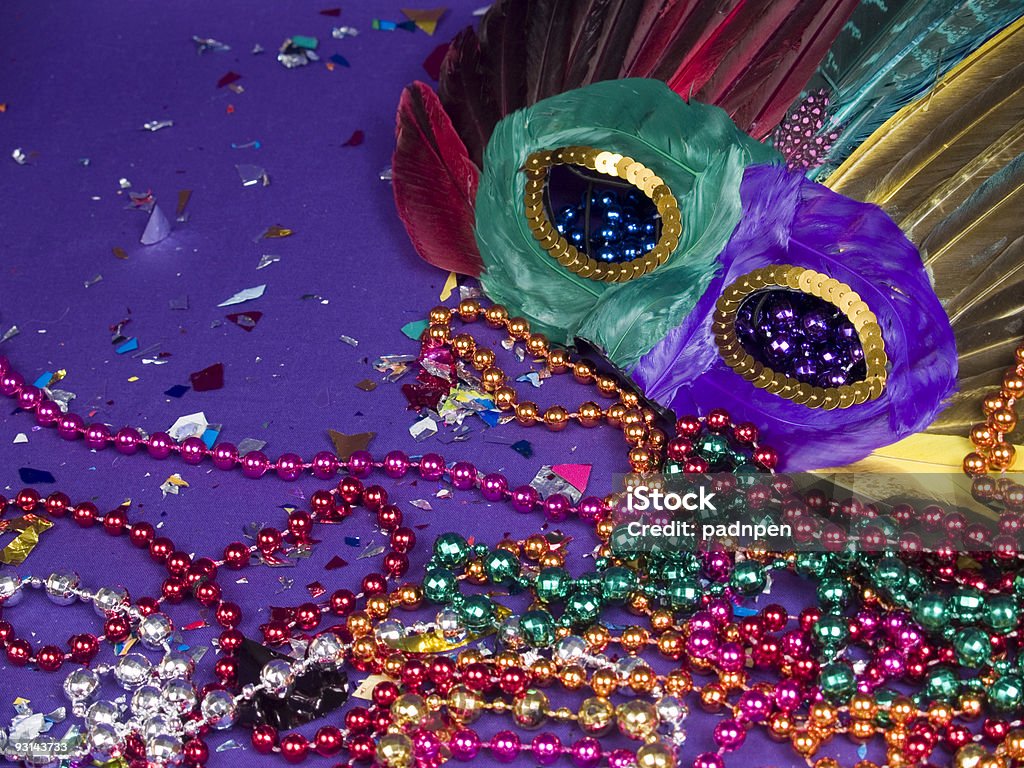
pixel 802 336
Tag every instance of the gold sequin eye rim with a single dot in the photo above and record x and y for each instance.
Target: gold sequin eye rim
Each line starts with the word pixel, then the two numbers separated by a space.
pixel 815 284
pixel 611 164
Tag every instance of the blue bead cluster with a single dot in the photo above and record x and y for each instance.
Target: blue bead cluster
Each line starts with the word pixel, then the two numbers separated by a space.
pixel 802 336
pixel 623 225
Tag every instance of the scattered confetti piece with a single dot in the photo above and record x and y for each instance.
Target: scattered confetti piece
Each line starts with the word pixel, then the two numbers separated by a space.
pixel 20 438
pixel 230 77
pixel 367 385
pixel 177 390
pixel 204 44
pixel 253 175
pixel 354 140
pixel 449 286
pixel 316 589
pixel 93 280
pixel 349 340
pixel 297 51
pixel 173 485
pixel 208 379
pixel 423 429
pixel 156 125
pixel 129 346
pixel 157 228
pixel 179 303
pixel 120 253
pixel 9 334
pixel 426 19
pixel 184 196
pixel 390 26
pixel 245 295
pixel 266 260
pixel 276 231
pixel 346 445
pixel 250 444
pixel 422 504
pixel 335 12
pixel 340 33
pixel 19 156
pixel 31 476
pixel 352 541
pixel 338 59
pixel 245 320
pixel 577 475
pixel 192 425
pixel 371 551
pixel 414 329
pixel 335 563
pixel 547 483
pixel 523 448
pixel 533 377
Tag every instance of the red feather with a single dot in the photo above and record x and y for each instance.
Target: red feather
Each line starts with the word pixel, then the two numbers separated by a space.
pixel 434 183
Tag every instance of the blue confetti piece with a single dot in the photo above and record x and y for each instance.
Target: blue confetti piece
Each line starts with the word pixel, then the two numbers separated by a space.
pixel 43 380
pixel 408 26
pixel 340 60
pixel 490 418
pixel 387 26
pixel 210 437
pixel 129 346
pixel 31 476
pixel 523 448
pixel 177 390
pixel 862 751
pixel 533 377
pixel 739 610
pixel 352 541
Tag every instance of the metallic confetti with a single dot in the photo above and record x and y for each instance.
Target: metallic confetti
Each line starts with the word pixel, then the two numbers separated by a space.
pixel 372 551
pixel 227 79
pixel 157 228
pixel 208 379
pixel 297 51
pixel 393 366
pixel 173 485
pixel 184 196
pixel 192 425
pixel 422 504
pixel 335 563
pixel 349 340
pixel 9 334
pixel 19 156
pixel 266 260
pixel 245 295
pixel 423 429
pixel 367 385
pixel 414 329
pixel 156 125
pixel 547 483
pixel 29 528
pixel 250 444
pixel 31 476
pixel 253 175
pixel 20 438
pixel 355 139
pixel 245 320
pixel 204 44
pixel 346 445
pixel 129 345
pixel 256 144
pixel 316 589
pixel 524 448
pixel 120 253
pixel 426 19
pixel 340 33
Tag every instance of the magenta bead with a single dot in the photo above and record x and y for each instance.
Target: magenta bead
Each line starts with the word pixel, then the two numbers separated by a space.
pixel 547 748
pixel 556 507
pixel 505 746
pixel 224 455
pixel 708 760
pixel 525 498
pixel 621 758
pixel 591 509
pixel 160 445
pixel 325 465
pixel 729 735
pixel 127 440
pixel 432 466
pixel 465 744
pixel 463 475
pixel 493 487
pixel 755 706
pixel 426 745
pixel 701 643
pixel 731 657
pixel 720 610
pixel 396 464
pixel 97 436
pixel 787 695
pixel 47 412
pixel 193 450
pixel 360 464
pixel 29 398
pixel 255 464
pixel 11 383
pixel 70 426
pixel 289 466
pixel 586 752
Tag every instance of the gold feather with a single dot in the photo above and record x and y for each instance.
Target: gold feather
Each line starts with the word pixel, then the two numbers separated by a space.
pixel 969 119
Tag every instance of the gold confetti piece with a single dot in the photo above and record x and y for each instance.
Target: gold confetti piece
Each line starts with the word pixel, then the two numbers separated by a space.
pixel 425 18
pixel 183 197
pixel 29 528
pixel 120 253
pixel 133 379
pixel 277 231
pixel 346 445
pixel 449 285
pixel 367 385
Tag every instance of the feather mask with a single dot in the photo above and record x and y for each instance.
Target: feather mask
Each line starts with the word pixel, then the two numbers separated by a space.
pixel 788 220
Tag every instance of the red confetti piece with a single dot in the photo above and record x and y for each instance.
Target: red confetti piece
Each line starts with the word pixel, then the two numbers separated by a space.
pixel 432 64
pixel 208 379
pixel 231 109
pixel 316 589
pixel 245 320
pixel 331 12
pixel 195 625
pixel 336 563
pixel 355 139
pixel 228 79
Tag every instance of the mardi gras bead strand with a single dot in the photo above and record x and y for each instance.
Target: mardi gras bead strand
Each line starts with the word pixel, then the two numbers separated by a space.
pixel 992 451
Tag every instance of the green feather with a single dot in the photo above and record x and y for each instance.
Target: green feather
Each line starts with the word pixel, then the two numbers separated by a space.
pixel 695 148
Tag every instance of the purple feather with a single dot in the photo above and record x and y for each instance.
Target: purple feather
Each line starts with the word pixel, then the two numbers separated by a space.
pixel 788 219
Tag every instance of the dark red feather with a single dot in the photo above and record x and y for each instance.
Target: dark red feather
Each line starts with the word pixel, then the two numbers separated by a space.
pixel 465 92
pixel 434 183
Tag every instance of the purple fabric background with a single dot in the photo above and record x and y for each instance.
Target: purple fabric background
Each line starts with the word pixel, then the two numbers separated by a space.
pixel 79 81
